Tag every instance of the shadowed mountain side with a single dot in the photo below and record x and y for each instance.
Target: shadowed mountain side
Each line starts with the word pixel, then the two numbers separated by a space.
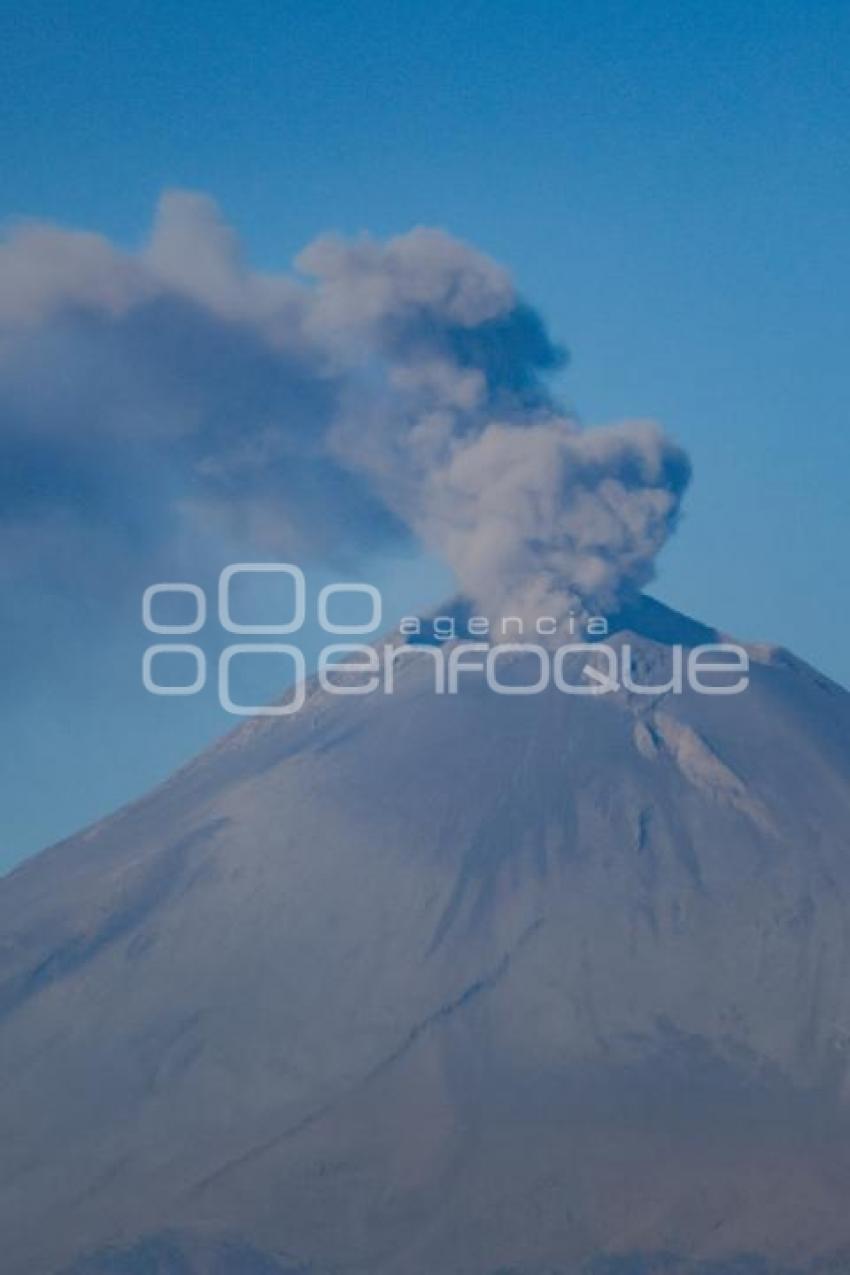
pixel 471 984
pixel 173 1253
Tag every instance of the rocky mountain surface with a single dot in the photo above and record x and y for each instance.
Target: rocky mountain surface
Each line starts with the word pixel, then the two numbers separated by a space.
pixel 448 985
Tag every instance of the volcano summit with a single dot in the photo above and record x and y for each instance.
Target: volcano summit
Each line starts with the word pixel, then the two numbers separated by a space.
pixel 468 985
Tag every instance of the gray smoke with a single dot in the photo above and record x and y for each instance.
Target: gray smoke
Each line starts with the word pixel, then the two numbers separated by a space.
pixel 159 401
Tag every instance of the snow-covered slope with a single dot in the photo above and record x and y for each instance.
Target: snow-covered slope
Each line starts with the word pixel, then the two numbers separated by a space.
pixel 421 985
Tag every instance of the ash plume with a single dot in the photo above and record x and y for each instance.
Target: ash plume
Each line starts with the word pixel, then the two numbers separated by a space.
pixel 157 402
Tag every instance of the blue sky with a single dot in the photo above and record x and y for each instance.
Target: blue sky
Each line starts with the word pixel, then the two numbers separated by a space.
pixel 668 183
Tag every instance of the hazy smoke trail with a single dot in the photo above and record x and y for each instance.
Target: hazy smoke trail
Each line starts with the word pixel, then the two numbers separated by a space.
pixel 168 396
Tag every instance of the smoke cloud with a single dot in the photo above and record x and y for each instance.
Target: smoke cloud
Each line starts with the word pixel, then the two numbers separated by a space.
pixel 161 404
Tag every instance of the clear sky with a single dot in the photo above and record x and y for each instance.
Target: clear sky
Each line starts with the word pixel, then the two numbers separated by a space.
pixel 667 182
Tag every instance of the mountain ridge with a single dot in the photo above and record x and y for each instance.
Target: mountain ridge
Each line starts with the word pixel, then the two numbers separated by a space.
pixel 473 983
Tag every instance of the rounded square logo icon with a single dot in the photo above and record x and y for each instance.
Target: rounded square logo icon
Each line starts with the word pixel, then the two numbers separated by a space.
pixel 156 590
pixel 261 710
pixel 174 648
pixel 262 568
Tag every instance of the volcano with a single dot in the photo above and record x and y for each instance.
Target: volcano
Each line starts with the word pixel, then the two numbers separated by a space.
pixel 448 985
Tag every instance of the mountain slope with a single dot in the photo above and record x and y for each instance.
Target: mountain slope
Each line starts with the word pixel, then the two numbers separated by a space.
pixel 466 984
